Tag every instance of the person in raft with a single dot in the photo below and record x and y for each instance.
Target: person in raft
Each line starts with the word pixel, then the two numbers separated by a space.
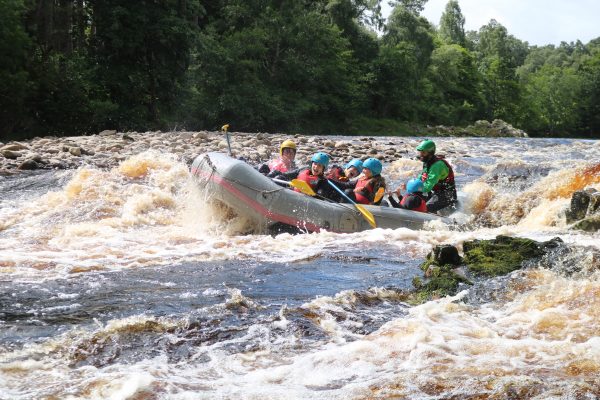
pixel 344 177
pixel 283 163
pixel 413 199
pixel 314 175
pixel 344 174
pixel 363 190
pixel 437 178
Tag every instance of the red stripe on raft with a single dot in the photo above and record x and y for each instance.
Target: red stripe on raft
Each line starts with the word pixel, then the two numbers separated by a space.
pixel 286 219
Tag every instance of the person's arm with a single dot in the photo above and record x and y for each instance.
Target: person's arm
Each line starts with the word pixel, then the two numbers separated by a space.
pixel 438 171
pixel 345 185
pixel 393 202
pixel 286 176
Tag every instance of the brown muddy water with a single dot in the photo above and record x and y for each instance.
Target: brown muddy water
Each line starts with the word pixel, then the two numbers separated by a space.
pixel 125 284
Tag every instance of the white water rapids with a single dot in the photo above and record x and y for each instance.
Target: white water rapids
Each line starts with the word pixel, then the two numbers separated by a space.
pixel 125 284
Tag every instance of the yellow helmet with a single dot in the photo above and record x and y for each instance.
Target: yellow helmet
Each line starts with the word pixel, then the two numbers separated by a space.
pixel 287 144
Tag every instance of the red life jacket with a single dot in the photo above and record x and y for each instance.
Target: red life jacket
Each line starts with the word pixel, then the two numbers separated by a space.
pixel 312 180
pixel 445 185
pixel 337 174
pixel 422 205
pixel 278 164
pixel 365 193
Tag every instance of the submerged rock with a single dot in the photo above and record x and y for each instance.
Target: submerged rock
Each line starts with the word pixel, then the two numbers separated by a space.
pixel 482 259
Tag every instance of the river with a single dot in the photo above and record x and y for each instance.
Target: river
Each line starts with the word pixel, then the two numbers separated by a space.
pixel 125 284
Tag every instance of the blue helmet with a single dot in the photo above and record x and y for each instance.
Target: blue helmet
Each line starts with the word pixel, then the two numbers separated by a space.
pixel 356 163
pixel 414 185
pixel 321 158
pixel 374 165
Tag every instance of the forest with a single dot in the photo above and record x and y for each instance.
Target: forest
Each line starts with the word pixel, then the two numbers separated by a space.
pixel 72 67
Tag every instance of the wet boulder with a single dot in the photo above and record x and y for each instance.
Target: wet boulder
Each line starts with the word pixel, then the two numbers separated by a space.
pixel 496 128
pixel 442 273
pixel 579 205
pixel 502 255
pixel 445 271
pixel 11 154
pixel 15 146
pixel 589 224
pixel 107 132
pixel 514 173
pixel 594 206
pixel 446 254
pixel 584 210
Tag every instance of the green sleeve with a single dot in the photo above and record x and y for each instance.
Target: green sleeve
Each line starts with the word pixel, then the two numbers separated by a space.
pixel 437 172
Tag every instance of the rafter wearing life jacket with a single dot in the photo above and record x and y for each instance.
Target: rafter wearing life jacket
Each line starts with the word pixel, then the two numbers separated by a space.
pixel 414 202
pixel 312 180
pixel 366 188
pixel 285 161
pixel 315 175
pixel 436 179
pixel 336 173
pixel 368 184
pixel 350 171
pixel 413 199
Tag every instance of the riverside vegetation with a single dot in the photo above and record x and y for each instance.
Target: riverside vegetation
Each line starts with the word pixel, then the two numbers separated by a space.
pixel 77 67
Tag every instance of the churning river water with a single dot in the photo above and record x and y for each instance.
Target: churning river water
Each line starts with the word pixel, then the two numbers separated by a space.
pixel 126 284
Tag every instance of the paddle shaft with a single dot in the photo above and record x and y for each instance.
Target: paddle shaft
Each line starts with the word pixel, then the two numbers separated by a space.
pixel 365 213
pixel 340 191
pixel 282 181
pixel 228 142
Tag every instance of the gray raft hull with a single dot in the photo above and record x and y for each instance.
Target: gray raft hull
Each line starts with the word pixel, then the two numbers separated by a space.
pixel 254 196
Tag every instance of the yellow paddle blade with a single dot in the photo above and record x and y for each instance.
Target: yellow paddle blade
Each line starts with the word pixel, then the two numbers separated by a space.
pixel 225 127
pixel 378 195
pixel 303 187
pixel 367 214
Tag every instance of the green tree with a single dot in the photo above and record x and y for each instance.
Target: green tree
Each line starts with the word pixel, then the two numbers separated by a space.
pixel 499 54
pixel 452 24
pixel 286 67
pixel 14 77
pixel 554 96
pixel 413 6
pixel 142 51
pixel 403 60
pixel 454 86
pixel 590 94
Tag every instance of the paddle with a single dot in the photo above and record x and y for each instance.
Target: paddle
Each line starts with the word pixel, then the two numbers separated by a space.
pixel 378 195
pixel 225 128
pixel 298 184
pixel 365 213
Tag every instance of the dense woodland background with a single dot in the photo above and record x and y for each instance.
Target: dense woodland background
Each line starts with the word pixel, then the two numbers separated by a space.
pixel 322 66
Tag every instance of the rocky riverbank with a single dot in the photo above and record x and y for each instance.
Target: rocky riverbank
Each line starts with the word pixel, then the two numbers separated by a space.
pixel 108 148
pixel 482 128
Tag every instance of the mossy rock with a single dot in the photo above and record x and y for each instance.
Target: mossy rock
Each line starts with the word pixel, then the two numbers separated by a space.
pixel 443 281
pixel 590 224
pixel 442 255
pixel 440 278
pixel 502 255
pixel 483 258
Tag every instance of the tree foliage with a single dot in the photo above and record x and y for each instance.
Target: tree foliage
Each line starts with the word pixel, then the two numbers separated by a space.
pixel 452 24
pixel 74 66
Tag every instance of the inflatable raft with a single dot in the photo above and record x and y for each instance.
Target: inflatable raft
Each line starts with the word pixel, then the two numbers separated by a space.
pixel 274 208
